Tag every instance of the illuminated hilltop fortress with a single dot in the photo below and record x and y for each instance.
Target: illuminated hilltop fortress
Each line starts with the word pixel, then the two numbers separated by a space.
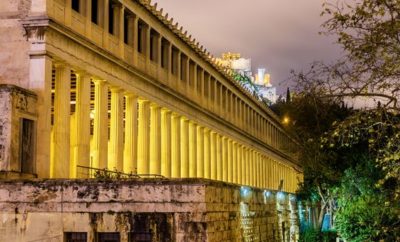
pixel 261 79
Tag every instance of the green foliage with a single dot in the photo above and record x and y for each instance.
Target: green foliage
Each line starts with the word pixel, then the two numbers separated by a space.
pixel 365 218
pixel 366 213
pixel 355 161
pixel 309 235
pixel 315 235
pixel 368 208
pixel 246 82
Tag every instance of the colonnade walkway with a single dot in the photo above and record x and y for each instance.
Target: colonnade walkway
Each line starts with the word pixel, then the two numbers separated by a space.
pixel 122 87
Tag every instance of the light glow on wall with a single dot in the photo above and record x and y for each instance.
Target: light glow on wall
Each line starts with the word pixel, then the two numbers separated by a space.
pixel 245 191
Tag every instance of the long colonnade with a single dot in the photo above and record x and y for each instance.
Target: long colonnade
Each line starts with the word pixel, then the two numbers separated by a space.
pixel 102 126
pixel 118 121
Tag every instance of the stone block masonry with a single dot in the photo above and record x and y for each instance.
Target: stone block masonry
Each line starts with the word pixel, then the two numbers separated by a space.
pixel 142 210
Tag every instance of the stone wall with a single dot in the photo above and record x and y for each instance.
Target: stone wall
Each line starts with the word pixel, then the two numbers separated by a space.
pixel 170 210
pixel 14 58
pixel 16 105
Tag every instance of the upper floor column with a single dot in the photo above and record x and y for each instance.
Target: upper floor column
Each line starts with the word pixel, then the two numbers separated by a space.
pixel 81 134
pixel 60 162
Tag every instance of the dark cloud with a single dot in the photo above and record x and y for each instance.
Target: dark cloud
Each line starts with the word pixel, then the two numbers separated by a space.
pixel 278 35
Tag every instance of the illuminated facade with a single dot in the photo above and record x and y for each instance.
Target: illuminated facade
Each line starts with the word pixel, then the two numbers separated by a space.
pixel 107 84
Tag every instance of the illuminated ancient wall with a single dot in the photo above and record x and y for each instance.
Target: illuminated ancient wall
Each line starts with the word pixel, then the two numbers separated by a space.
pixel 160 210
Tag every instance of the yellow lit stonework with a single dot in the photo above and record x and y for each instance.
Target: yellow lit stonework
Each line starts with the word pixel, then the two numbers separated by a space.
pixel 140 96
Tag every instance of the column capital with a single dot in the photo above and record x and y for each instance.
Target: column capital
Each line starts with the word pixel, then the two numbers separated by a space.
pixel 154 105
pixel 142 100
pixel 82 73
pixel 175 114
pixel 99 81
pixel 165 110
pixel 130 94
pixel 59 64
pixel 115 89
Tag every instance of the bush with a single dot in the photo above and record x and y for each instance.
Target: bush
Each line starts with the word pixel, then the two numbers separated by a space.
pixel 314 235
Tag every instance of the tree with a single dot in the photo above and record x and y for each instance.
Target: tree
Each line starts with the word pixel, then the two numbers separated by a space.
pixel 368 32
pixel 310 118
pixel 288 97
pixel 367 199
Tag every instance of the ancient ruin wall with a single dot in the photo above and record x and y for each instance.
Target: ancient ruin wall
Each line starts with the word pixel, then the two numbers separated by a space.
pixel 177 210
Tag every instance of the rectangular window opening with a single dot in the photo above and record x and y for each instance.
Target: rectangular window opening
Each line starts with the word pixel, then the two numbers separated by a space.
pixel 184 67
pixel 142 37
pixel 108 237
pixel 164 53
pixel 95 11
pixel 174 61
pixel 154 38
pixel 27 146
pixel 76 5
pixel 127 31
pixel 110 18
pixel 75 237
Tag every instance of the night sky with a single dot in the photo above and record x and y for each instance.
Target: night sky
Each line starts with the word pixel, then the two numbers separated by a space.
pixel 279 35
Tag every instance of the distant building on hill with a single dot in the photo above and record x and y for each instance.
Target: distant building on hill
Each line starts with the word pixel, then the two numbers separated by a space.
pixel 261 79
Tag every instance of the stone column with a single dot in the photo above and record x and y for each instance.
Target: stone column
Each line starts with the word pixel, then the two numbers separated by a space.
pixel 251 163
pixel 121 32
pixel 248 166
pixel 61 127
pixel 219 158
pixel 116 130
pixel 155 139
pixel 143 137
pixel 116 25
pixel 254 168
pixel 147 43
pixel 159 50
pixel 131 133
pixel 68 13
pixel 176 145
pixel 105 22
pixel 244 164
pixel 224 168
pixel 235 169
pixel 40 75
pixel 213 153
pixel 81 148
pixel 264 172
pixel 259 171
pixel 200 79
pixel 178 69
pixel 135 36
pixel 270 174
pixel 166 142
pixel 230 161
pixel 200 152
pixel 184 147
pixel 207 156
pixel 131 33
pixel 88 14
pixel 169 66
pixel 100 130
pixel 192 149
pixel 240 164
